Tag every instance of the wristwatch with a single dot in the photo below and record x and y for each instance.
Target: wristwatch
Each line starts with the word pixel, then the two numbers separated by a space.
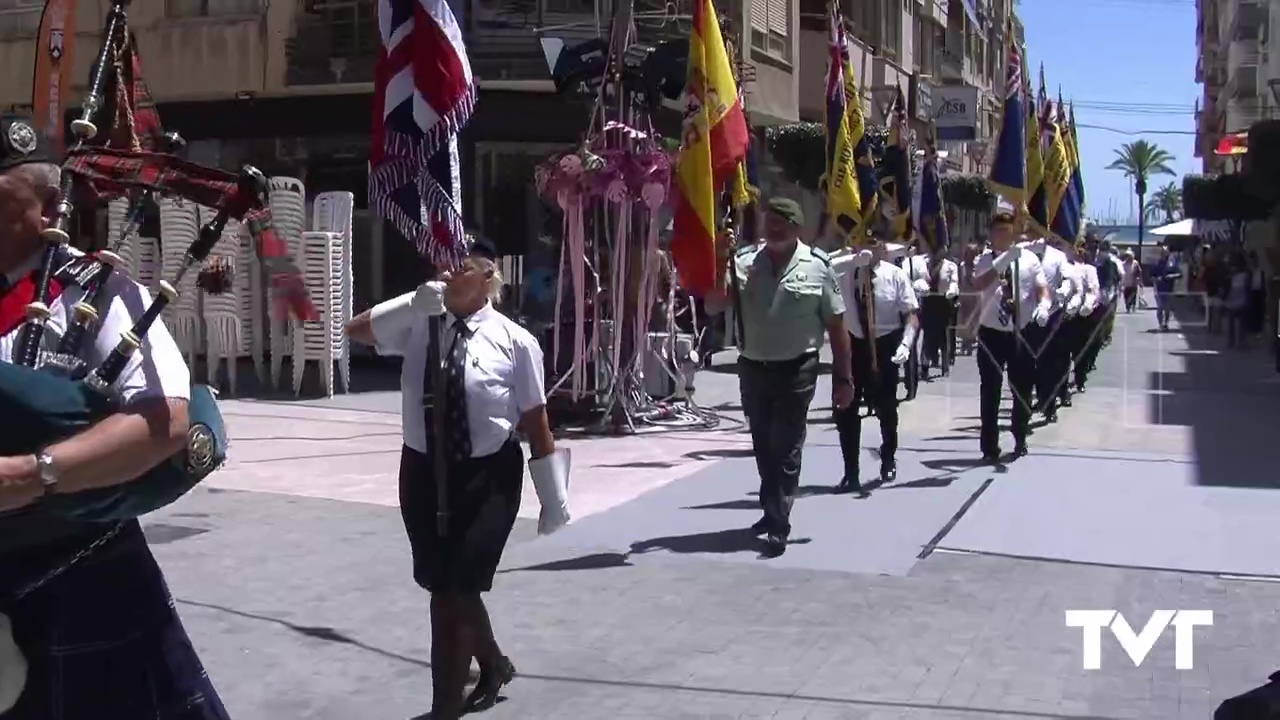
pixel 47 472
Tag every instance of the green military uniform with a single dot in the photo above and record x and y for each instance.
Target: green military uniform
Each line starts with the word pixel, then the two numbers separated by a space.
pixel 785 313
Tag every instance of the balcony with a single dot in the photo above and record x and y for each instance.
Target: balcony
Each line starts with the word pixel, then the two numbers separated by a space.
pixel 1244 57
pixel 1243 114
pixel 1248 18
pixel 951 66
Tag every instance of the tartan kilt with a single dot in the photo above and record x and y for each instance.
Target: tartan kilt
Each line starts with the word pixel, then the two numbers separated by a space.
pixel 103 640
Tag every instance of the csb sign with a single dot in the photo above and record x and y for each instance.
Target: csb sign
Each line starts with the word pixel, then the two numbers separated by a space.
pixel 1138 644
pixel 955 112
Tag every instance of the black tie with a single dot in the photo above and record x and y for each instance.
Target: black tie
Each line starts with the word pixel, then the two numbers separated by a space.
pixel 457 441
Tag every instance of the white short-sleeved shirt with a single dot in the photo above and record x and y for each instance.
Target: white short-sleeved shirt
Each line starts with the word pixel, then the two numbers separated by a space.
pixel 156 369
pixel 892 294
pixel 948 280
pixel 1053 265
pixel 1028 276
pixel 504 371
pixel 1089 281
pixel 1130 275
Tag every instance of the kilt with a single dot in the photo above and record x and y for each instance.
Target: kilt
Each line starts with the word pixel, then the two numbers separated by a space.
pixel 102 640
pixel 483 501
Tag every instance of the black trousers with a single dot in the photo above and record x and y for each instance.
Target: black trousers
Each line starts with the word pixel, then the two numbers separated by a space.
pixel 776 398
pixel 936 323
pixel 1051 349
pixel 881 388
pixel 999 352
pixel 1093 329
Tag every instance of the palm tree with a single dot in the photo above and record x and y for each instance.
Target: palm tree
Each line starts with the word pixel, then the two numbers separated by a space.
pixel 1139 160
pixel 1165 203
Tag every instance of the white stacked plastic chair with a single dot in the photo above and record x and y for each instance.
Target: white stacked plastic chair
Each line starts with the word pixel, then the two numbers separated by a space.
pixel 252 302
pixel 320 340
pixel 289 214
pixel 179 226
pixel 224 323
pixel 333 212
pixel 137 253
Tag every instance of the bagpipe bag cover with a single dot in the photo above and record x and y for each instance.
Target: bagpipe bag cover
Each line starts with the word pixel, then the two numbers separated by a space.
pixel 41 407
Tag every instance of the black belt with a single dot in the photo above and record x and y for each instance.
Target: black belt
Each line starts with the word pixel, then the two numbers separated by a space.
pixel 790 364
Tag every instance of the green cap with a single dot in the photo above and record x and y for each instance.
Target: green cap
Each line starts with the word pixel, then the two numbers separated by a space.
pixel 787 209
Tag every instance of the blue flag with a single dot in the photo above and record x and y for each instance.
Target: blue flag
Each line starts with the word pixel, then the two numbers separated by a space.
pixel 1009 168
pixel 933 217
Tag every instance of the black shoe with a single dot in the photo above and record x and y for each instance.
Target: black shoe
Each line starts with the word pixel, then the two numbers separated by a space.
pixel 492 680
pixel 849 484
pixel 991 457
pixel 775 544
pixel 760 527
pixel 1065 401
pixel 1079 386
pixel 1019 450
pixel 1051 415
pixel 888 471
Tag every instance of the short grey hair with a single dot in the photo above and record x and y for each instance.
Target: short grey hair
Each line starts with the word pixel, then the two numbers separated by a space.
pixel 495 278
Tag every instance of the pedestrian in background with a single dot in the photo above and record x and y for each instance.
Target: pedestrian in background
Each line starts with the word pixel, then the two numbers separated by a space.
pixel 1131 280
pixel 1164 276
pixel 789 299
pixel 1237 303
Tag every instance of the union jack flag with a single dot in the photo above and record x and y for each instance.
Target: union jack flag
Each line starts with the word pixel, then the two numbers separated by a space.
pixel 424 94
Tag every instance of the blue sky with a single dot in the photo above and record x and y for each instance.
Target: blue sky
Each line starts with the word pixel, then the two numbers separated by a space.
pixel 1130 64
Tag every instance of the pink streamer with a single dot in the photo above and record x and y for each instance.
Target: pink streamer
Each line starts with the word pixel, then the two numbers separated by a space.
pixel 575 246
pixel 648 289
pixel 622 237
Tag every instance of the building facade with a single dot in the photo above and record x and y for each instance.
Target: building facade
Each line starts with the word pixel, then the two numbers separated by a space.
pixel 1238 70
pixel 286 85
pixel 948 56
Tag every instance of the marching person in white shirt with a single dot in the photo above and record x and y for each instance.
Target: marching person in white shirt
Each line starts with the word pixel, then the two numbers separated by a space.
pixel 1049 343
pixel 935 280
pixel 876 362
pixel 493 389
pixel 1091 321
pixel 1014 295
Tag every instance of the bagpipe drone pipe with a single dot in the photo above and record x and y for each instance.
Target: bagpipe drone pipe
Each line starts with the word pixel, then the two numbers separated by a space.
pixel 48 396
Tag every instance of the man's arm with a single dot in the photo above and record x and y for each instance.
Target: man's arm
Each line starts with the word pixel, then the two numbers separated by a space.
pixel 152 426
pixel 837 335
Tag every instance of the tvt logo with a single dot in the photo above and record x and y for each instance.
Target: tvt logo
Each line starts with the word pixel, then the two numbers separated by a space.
pixel 1139 644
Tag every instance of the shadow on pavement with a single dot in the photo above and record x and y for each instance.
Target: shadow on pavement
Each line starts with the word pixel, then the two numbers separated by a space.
pixel 1228 398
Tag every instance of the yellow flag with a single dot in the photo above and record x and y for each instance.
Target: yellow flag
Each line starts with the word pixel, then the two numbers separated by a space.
pixel 1057 165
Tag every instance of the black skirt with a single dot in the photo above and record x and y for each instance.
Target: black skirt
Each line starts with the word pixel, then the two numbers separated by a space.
pixel 483 501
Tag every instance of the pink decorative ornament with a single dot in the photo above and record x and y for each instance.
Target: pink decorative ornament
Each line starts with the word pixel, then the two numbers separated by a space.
pixel 653 195
pixel 571 165
pixel 616 192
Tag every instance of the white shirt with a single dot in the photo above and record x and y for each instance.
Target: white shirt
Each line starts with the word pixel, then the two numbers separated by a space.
pixel 156 370
pixel 892 293
pixel 1028 276
pixel 1129 273
pixel 1089 283
pixel 921 279
pixel 504 372
pixel 1053 264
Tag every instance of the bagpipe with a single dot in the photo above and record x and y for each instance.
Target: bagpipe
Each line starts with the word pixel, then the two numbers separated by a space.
pixel 45 395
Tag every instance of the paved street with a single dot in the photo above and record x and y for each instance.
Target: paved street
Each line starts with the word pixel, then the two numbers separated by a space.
pixel 939 597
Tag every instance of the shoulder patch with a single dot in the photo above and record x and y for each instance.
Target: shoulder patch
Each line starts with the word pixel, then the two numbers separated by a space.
pixel 78 269
pixel 821 255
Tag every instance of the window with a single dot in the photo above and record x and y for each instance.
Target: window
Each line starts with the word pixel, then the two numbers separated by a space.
pixel 353 27
pixel 214 8
pixel 771 27
pixel 20 18
pixel 892 31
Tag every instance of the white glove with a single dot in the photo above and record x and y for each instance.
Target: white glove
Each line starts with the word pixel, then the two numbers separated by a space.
pixel 13 667
pixel 550 476
pixel 921 287
pixel 1041 314
pixel 1064 291
pixel 429 300
pixel 952 293
pixel 1007 257
pixel 1073 307
pixel 902 354
pixel 1087 308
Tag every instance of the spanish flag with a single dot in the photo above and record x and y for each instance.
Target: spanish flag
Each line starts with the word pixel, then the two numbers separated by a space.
pixel 1037 206
pixel 51 85
pixel 1009 167
pixel 713 144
